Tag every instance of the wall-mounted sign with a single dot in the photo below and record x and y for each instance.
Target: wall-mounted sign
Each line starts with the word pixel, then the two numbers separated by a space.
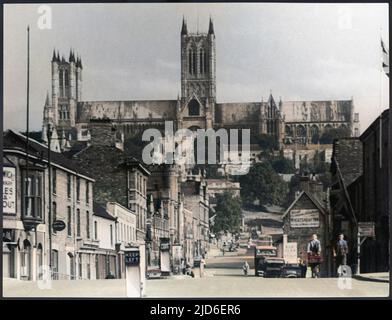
pixel 304 218
pixel 164 244
pixel 58 225
pixel 132 257
pixel 366 229
pixel 9 190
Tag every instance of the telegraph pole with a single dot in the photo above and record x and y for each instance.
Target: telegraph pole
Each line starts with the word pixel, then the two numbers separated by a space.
pixel 27 113
pixel 49 135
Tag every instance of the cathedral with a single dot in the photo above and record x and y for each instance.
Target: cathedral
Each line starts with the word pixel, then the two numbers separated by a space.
pixel 197 107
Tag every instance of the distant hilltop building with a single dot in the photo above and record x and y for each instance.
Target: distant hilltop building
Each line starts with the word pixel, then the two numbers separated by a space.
pixel 197 107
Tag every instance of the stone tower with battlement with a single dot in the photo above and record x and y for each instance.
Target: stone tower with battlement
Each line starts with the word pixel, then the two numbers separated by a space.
pixel 198 78
pixel 66 92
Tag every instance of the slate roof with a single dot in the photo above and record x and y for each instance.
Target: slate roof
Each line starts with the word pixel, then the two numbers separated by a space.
pixel 17 141
pixel 347 153
pixel 100 211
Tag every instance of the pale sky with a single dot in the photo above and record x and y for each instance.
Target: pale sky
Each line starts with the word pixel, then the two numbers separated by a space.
pixel 132 51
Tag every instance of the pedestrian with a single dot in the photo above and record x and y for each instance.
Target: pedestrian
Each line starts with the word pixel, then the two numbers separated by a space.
pixel 182 266
pixel 314 255
pixel 303 267
pixel 340 252
pixel 245 268
pixel 202 264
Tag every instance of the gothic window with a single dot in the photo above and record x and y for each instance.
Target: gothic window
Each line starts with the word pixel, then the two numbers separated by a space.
pixel 288 131
pixel 61 83
pixel 205 63
pixel 190 61
pixel 64 112
pixel 301 131
pixel 194 108
pixel 194 57
pixel 314 132
pixel 201 61
pixel 66 78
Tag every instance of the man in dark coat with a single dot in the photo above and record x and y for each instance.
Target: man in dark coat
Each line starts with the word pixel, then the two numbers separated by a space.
pixel 341 251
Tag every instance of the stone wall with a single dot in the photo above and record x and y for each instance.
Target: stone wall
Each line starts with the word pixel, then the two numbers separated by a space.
pixel 304 234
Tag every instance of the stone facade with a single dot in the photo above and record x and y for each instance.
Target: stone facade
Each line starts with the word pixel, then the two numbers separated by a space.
pixel 314 220
pixel 375 253
pixel 26 233
pixel 196 200
pixel 197 107
pixel 164 213
pixel 346 192
pixel 119 178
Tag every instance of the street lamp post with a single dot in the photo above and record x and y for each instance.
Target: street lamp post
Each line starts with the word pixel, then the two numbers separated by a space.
pixel 49 136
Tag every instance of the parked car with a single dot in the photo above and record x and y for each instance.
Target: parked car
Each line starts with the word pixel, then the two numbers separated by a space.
pixel 291 271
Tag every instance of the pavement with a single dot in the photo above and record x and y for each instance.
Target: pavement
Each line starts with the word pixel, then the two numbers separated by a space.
pixel 223 278
pixel 375 277
pixel 217 283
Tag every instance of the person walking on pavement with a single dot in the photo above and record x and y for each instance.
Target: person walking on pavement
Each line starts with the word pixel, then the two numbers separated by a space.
pixel 202 265
pixel 245 268
pixel 340 252
pixel 314 255
pixel 302 265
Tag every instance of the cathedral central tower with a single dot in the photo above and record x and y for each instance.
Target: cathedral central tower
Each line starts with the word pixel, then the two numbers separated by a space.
pixel 198 79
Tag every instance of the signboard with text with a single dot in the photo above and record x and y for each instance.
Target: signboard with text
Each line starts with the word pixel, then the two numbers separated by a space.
pixel 290 254
pixel 304 218
pixel 132 258
pixel 9 190
pixel 366 229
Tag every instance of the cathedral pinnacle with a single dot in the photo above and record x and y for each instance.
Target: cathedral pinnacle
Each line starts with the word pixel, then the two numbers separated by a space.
pixel 184 29
pixel 211 27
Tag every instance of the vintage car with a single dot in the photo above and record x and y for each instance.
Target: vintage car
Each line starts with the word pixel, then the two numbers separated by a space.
pixel 291 271
pixel 267 264
pixel 154 272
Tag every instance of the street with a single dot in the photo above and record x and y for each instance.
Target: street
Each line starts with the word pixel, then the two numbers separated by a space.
pixel 223 277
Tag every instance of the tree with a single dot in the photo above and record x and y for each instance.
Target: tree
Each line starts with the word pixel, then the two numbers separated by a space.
pixel 265 141
pixel 282 165
pixel 227 213
pixel 264 184
pixel 334 133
